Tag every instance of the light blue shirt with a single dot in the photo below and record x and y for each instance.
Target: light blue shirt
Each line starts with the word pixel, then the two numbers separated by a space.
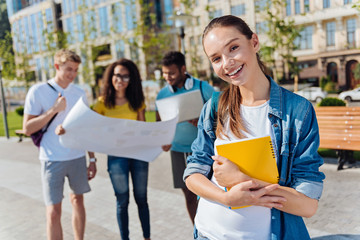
pixel 185 132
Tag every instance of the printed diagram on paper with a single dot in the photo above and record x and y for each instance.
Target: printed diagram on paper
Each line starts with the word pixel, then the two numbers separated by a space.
pixel 90 131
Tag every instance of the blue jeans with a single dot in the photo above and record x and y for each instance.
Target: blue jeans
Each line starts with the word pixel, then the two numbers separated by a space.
pixel 119 168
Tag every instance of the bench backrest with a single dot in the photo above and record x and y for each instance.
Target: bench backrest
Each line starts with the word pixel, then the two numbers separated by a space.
pixel 339 127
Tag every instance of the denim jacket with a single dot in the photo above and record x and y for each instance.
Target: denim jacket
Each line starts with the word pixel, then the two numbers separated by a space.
pixel 296 133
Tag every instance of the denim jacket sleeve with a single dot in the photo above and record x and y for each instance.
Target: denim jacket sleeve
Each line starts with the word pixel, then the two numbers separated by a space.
pixel 203 146
pixel 306 177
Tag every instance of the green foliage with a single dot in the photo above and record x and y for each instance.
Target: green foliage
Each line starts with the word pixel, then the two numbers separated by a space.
pixel 356 71
pixel 4 21
pixel 330 101
pixel 281 33
pixel 14 122
pixel 20 111
pixel 324 81
pixel 7 54
pixel 330 87
pixel 151 39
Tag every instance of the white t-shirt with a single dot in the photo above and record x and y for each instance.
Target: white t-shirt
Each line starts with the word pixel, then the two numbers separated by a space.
pixel 39 99
pixel 217 221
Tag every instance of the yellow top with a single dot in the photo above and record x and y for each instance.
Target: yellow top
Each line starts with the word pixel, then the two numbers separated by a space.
pixel 119 111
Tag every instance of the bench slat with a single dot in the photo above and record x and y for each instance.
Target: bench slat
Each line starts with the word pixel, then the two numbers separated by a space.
pixel 339 127
pixel 340 145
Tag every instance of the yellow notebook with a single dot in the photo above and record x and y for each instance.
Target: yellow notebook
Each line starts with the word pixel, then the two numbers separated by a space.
pixel 254 156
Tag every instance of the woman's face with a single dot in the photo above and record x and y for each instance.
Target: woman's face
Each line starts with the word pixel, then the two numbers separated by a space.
pixel 120 78
pixel 231 54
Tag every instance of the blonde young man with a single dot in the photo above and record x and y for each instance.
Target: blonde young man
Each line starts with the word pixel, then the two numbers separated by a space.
pixel 41 104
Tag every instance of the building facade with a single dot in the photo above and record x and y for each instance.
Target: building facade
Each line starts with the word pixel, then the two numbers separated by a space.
pixel 100 31
pixel 328 46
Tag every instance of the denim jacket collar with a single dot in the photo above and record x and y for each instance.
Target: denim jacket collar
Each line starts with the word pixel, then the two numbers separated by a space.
pixel 275 99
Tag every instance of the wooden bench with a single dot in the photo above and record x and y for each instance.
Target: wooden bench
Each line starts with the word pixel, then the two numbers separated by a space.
pixel 339 129
pixel 20 133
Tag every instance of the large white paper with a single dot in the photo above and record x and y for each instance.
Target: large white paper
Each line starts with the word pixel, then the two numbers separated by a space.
pixel 90 131
pixel 187 105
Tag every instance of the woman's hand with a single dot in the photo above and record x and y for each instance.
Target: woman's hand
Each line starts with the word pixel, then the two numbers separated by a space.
pixel 242 194
pixel 226 173
pixel 59 130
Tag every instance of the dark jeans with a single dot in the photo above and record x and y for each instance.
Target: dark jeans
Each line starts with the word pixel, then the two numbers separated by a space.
pixel 119 168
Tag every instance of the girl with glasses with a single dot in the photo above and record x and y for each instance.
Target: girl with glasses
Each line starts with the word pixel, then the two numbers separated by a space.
pixel 123 97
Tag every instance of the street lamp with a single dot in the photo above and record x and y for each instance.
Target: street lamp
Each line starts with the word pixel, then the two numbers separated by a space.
pixel 3 103
pixel 181 19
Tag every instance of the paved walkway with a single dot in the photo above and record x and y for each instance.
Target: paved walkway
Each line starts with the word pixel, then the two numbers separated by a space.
pixel 22 214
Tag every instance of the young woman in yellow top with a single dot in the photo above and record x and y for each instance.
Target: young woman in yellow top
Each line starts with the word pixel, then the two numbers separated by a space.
pixel 123 98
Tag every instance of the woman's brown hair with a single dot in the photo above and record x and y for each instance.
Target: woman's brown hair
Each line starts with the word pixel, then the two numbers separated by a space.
pixel 229 102
pixel 134 92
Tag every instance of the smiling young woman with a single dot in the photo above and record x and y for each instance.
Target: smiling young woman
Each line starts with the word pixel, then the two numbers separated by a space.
pixel 252 106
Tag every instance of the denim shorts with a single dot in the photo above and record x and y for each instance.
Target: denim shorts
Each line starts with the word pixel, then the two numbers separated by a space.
pixel 53 175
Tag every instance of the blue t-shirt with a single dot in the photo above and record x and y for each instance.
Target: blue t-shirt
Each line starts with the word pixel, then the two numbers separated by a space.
pixel 185 132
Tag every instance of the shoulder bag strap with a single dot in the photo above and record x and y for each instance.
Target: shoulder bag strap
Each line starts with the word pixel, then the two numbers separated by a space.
pixel 52 87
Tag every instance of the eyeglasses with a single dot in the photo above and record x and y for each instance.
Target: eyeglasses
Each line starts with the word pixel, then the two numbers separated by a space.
pixel 124 78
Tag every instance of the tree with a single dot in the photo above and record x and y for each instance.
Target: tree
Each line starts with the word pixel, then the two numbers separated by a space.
pixel 154 39
pixel 7 55
pixel 356 70
pixel 282 33
pixel 4 20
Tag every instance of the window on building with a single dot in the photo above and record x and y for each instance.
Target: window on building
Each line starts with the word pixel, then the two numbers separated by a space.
pixel 215 14
pixel 21 37
pixel 69 6
pixel 288 7
pixel 350 32
pixel 80 28
pixel 238 10
pixel 130 11
pixel 38 69
pixel 168 11
pixel 46 67
pixel 79 4
pixel 15 32
pixel 306 6
pixel 261 27
pixel 326 3
pixel 304 41
pixel 92 24
pixel 34 33
pixel 70 29
pixel 297 7
pixel 117 17
pixel 134 54
pixel 104 23
pixel 64 7
pixel 330 33
pixel 39 19
pixel 261 5
pixel 120 49
pixel 347 2
pixel 49 20
pixel 28 39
